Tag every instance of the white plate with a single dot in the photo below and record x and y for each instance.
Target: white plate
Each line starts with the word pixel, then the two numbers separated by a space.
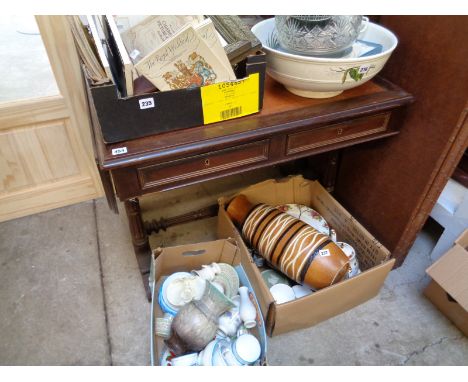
pixel 307 215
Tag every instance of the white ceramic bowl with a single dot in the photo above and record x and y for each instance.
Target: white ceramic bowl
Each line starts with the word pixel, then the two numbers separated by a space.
pixel 316 77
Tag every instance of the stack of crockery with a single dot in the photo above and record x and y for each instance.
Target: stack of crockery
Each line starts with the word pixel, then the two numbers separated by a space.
pixel 207 317
pixel 296 241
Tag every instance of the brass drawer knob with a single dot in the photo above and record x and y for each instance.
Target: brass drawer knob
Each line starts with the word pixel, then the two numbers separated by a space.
pixel 207 162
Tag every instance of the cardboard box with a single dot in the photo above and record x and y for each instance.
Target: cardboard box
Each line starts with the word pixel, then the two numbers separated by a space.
pixel 168 260
pixel 448 289
pixel 374 258
pixel 122 118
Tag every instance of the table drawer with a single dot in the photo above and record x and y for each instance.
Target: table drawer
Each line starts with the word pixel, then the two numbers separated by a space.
pixel 203 165
pixel 356 128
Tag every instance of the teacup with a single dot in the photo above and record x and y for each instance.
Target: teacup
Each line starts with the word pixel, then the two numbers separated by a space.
pixel 353 261
pixel 245 350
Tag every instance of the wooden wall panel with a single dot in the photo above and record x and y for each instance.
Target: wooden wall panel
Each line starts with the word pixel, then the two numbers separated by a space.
pixel 46 156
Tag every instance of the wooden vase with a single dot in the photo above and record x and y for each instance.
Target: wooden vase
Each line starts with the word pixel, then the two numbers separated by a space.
pixel 288 244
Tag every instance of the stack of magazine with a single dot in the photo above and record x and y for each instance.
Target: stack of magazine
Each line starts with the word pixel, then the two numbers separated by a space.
pixel 175 52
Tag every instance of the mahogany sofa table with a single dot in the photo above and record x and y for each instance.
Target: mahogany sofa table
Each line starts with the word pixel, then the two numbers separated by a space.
pixel 288 127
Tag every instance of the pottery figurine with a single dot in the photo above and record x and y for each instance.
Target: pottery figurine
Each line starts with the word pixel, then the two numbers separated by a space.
pixel 196 323
pixel 247 310
pixel 208 272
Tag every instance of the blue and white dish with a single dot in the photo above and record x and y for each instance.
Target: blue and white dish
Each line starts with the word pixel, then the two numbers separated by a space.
pixel 165 305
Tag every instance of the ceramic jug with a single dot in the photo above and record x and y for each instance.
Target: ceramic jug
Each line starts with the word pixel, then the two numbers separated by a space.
pixel 288 244
pixel 196 323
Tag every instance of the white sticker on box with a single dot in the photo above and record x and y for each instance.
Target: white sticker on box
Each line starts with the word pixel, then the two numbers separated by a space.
pixel 119 150
pixel 146 103
pixel 324 252
pixel 364 69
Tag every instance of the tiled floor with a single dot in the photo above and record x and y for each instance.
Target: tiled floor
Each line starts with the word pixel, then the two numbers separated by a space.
pixel 71 294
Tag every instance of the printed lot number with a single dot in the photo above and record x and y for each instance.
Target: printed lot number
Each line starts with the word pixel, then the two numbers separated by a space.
pixel 119 150
pixel 146 103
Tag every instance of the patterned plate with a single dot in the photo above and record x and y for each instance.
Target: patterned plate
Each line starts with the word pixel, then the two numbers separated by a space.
pixel 307 215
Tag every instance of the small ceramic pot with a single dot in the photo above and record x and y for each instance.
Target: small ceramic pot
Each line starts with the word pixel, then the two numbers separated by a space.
pixel 185 360
pixel 208 272
pixel 301 291
pixel 282 293
pixel 163 326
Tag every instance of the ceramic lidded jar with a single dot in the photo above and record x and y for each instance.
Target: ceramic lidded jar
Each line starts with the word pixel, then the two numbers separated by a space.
pixel 196 323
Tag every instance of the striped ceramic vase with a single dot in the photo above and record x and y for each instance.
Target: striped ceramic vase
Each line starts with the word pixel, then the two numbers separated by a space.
pixel 290 245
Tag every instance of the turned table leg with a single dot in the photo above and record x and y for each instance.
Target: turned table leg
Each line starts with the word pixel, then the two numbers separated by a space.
pixel 140 240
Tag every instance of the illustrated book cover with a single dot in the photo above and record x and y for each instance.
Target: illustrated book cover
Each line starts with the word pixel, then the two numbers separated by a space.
pixel 184 61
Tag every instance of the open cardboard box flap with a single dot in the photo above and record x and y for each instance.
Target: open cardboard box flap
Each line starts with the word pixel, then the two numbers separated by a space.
pixel 451 271
pixel 374 258
pixel 193 256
